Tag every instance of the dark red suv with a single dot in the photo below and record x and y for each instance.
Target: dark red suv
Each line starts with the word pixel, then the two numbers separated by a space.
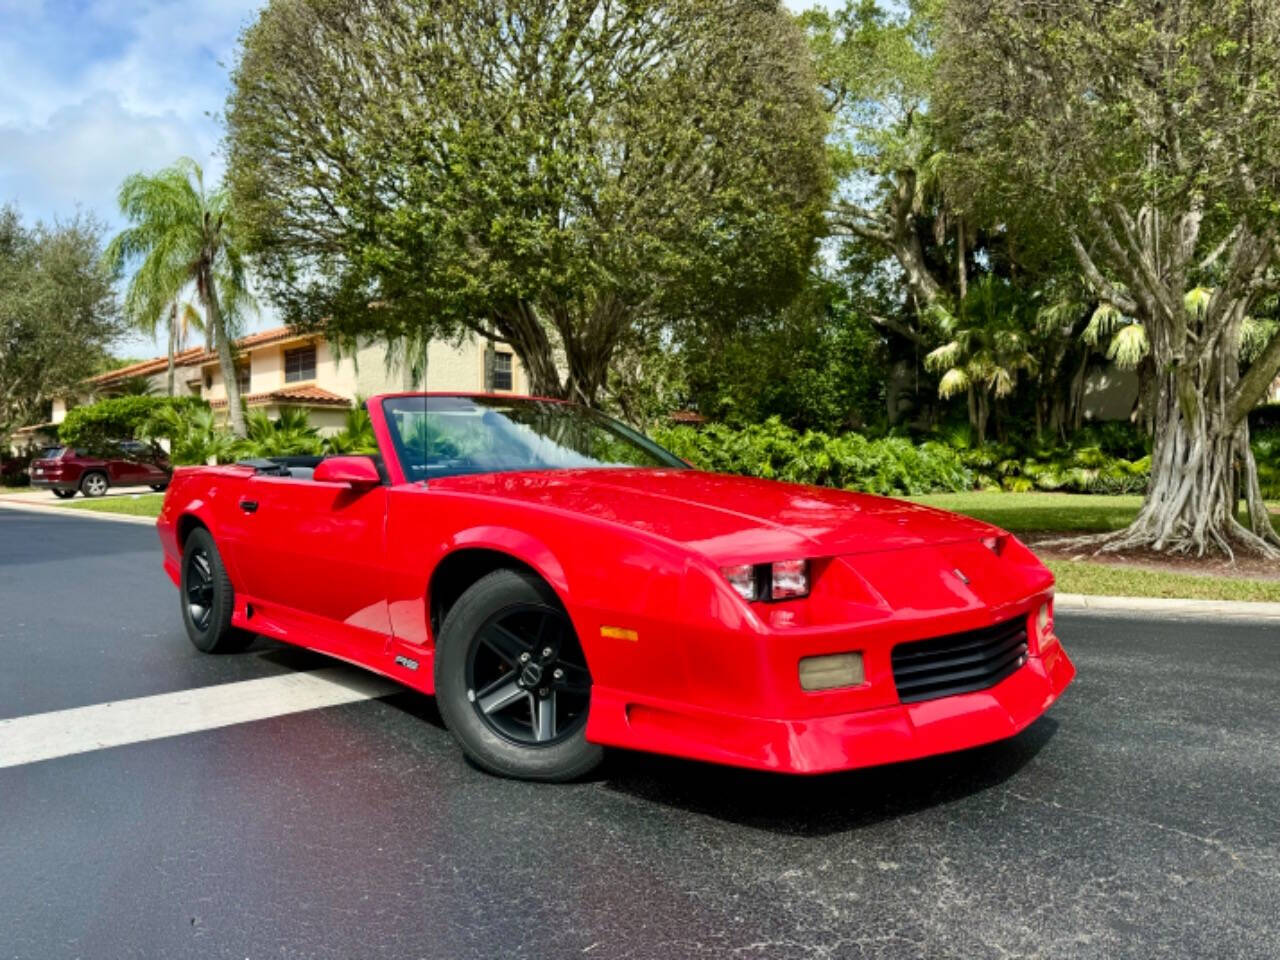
pixel 124 463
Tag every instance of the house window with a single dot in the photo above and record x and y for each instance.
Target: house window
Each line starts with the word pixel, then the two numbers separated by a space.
pixel 300 364
pixel 242 379
pixel 208 379
pixel 502 371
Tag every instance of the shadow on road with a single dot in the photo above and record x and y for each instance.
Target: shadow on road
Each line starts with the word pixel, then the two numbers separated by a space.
pixel 833 803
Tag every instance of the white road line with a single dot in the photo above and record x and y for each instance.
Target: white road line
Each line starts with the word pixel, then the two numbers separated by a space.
pixel 43 736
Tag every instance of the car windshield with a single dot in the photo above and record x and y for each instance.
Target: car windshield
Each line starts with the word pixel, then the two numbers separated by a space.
pixel 450 436
pixel 52 453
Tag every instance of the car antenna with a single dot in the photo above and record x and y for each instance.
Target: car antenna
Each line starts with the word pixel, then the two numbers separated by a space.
pixel 426 419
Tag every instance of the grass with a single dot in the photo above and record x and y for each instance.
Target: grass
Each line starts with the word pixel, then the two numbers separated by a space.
pixel 1106 579
pixel 1047 512
pixel 141 505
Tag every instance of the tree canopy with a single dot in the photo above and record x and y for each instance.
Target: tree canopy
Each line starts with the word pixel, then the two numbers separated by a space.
pixel 183 235
pixel 58 313
pixel 548 174
pixel 1148 134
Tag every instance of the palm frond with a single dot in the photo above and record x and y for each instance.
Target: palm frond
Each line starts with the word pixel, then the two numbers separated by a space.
pixel 1129 346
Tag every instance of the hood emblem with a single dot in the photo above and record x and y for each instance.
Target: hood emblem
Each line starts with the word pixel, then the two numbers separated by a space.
pixel 960 573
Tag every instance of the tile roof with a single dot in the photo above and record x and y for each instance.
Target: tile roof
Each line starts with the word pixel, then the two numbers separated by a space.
pixel 307 396
pixel 195 356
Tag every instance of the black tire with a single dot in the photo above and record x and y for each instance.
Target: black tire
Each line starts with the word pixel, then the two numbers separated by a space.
pixel 159 487
pixel 64 494
pixel 207 598
pixel 513 737
pixel 94 483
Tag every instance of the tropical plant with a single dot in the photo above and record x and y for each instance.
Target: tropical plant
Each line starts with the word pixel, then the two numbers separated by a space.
pixel 988 349
pixel 290 433
pixel 183 235
pixel 194 435
pixel 547 175
pixel 356 435
pixel 892 465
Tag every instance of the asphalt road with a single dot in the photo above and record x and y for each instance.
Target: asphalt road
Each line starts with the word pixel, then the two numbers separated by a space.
pixel 1140 818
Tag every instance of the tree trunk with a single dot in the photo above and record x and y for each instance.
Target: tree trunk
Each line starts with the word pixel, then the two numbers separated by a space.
pixel 1199 461
pixel 173 332
pixel 521 328
pixel 226 363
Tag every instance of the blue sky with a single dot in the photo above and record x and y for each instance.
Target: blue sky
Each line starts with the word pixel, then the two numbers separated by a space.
pixel 92 90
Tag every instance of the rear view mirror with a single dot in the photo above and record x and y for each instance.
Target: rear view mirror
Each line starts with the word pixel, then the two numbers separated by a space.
pixel 358 473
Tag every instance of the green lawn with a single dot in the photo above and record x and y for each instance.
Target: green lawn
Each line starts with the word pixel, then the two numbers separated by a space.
pixel 1048 512
pixel 1106 579
pixel 141 505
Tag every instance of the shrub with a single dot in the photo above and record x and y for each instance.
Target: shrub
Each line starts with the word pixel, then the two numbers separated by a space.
pixel 120 418
pixel 892 465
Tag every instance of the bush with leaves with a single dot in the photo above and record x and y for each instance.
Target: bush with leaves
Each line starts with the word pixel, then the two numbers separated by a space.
pixel 120 418
pixel 290 433
pixel 356 435
pixel 893 465
pixel 195 436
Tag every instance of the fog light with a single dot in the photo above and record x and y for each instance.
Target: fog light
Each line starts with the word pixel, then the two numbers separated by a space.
pixel 827 673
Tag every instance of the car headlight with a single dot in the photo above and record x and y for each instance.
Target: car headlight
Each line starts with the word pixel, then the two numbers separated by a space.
pixel 782 580
pixel 1044 625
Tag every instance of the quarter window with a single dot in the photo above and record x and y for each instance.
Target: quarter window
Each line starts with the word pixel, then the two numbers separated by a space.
pixel 300 364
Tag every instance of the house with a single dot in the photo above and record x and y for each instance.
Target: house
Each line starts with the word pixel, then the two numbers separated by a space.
pixel 289 368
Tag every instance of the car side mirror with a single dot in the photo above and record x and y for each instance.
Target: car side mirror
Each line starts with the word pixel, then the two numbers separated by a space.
pixel 358 473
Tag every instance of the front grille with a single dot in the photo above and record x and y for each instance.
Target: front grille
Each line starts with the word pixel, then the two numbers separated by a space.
pixel 959 662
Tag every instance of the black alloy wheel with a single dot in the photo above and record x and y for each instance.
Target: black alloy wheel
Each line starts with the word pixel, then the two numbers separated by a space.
pixel 207 597
pixel 527 677
pixel 512 680
pixel 199 587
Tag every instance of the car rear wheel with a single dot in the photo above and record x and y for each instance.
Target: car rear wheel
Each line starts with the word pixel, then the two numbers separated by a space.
pixel 512 682
pixel 159 487
pixel 64 494
pixel 94 484
pixel 207 598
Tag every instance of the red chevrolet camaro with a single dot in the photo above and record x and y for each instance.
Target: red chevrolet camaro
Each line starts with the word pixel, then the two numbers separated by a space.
pixel 561 583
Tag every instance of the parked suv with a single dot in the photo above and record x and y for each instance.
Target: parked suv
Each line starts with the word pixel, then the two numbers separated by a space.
pixel 122 463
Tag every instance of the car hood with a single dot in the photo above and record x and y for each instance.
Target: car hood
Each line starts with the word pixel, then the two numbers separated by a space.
pixel 728 518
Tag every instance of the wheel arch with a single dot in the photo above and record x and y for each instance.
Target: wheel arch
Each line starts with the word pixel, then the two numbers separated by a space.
pixel 476 553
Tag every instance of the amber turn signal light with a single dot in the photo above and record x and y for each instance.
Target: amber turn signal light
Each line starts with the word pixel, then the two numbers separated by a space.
pixel 830 672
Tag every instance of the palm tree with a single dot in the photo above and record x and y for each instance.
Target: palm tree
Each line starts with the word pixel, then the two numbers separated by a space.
pixel 989 347
pixel 184 236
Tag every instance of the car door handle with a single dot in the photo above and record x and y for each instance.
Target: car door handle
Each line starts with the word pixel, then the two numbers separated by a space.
pixel 249 506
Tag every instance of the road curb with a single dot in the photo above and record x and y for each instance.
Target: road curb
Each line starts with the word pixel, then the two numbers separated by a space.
pixel 1163 607
pixel 73 512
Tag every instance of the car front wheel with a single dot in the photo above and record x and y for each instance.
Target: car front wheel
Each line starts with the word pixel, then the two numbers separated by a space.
pixel 207 598
pixel 94 484
pixel 512 682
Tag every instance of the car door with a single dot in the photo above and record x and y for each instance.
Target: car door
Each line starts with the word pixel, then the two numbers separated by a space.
pixel 122 463
pixel 311 554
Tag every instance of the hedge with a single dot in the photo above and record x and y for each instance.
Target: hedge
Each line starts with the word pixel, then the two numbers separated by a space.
pixel 118 418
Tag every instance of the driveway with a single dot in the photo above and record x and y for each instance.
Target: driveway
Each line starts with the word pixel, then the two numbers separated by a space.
pixel 1140 818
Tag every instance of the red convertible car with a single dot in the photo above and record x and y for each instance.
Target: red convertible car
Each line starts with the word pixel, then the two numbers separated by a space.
pixel 560 583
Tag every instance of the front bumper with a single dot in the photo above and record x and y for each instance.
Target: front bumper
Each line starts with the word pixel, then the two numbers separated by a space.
pixel 841 742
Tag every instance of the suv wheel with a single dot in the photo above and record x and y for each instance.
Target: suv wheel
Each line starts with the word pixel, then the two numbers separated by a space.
pixel 64 494
pixel 94 484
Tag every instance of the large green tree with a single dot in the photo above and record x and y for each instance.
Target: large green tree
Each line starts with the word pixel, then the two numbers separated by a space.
pixel 183 235
pixel 1148 132
pixel 58 313
pixel 548 174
